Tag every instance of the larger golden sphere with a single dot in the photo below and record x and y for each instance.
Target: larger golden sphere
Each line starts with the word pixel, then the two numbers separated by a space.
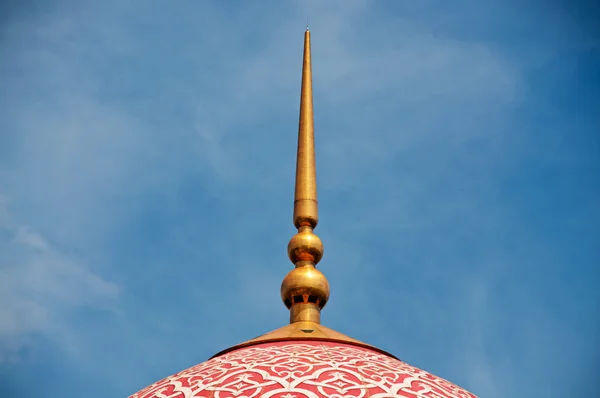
pixel 305 246
pixel 305 284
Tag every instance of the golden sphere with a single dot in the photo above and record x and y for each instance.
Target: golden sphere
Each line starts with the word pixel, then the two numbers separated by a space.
pixel 305 246
pixel 305 284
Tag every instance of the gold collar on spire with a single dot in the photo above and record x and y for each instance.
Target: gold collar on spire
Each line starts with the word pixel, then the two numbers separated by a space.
pixel 305 289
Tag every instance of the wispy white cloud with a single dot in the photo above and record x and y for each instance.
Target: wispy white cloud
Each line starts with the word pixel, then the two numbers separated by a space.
pixel 39 286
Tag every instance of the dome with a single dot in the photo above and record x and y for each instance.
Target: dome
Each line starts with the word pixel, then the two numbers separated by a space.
pixel 303 360
pixel 303 369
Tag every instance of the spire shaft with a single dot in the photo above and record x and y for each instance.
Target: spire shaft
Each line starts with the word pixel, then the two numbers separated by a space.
pixel 305 199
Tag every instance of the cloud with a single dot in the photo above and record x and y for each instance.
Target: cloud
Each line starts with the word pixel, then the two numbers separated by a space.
pixel 40 286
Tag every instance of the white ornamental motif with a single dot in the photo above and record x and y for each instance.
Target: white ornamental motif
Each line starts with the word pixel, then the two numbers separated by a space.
pixel 311 369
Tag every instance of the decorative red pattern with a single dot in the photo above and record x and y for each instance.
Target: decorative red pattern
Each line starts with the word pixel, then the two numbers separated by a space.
pixel 307 369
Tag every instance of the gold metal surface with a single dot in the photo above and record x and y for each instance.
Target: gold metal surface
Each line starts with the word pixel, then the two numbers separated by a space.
pixel 305 246
pixel 305 198
pixel 303 330
pixel 305 285
pixel 305 290
pixel 305 313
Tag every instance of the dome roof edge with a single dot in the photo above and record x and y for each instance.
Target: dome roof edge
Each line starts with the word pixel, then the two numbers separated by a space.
pixel 303 331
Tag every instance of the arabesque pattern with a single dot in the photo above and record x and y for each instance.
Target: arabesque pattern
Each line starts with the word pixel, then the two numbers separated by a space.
pixel 307 369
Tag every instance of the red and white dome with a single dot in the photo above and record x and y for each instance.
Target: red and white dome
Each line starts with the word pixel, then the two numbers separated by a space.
pixel 303 369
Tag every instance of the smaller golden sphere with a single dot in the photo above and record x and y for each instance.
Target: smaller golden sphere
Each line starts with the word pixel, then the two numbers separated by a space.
pixel 305 246
pixel 305 284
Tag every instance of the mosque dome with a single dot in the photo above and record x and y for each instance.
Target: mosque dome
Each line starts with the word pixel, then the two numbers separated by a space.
pixel 329 365
pixel 304 359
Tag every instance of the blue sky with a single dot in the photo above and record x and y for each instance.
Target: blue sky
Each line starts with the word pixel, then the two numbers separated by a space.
pixel 147 153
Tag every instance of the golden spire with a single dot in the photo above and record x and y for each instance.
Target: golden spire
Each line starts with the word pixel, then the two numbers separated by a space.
pixel 305 290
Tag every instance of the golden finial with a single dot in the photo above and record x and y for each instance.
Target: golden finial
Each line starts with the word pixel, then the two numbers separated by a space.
pixel 305 289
